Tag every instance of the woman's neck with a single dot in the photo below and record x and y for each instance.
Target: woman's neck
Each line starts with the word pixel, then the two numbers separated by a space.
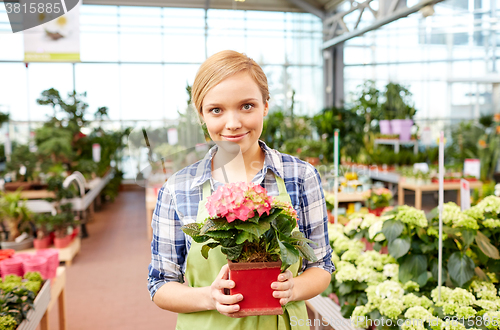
pixel 227 167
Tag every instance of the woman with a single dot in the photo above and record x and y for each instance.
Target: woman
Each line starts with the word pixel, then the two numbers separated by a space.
pixel 231 96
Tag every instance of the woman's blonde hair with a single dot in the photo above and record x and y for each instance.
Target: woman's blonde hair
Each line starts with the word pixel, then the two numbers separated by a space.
pixel 221 66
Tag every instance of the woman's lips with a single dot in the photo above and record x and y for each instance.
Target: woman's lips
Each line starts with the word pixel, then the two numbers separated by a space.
pixel 235 138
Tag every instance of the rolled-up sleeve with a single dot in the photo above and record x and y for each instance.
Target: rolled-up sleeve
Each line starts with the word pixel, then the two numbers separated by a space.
pixel 315 219
pixel 168 247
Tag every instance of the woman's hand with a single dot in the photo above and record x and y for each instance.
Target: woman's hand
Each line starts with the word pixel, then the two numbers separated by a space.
pixel 224 303
pixel 284 287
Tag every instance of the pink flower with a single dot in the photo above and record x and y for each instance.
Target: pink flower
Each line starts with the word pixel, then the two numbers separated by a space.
pixel 238 201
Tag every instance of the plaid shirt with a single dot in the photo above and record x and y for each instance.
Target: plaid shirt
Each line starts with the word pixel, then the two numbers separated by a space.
pixel 178 200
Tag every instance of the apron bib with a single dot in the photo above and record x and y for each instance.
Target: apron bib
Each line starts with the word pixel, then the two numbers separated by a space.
pixel 201 272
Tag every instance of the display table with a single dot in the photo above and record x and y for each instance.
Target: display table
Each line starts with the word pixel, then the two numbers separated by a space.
pixel 57 294
pixel 65 254
pixel 350 197
pixel 418 189
pixel 396 143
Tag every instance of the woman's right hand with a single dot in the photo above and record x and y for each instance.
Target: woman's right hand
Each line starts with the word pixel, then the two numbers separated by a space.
pixel 224 303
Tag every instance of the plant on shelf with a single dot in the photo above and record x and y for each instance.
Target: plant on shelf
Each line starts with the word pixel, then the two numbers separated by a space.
pixel 23 161
pixel 397 102
pixel 377 198
pixel 15 213
pixel 17 297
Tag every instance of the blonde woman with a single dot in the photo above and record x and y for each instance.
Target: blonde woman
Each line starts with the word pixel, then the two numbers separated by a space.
pixel 231 95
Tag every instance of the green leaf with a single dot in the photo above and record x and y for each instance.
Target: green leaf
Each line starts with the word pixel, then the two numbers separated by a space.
pixel 422 279
pixel 484 244
pixel 346 310
pixel 392 229
pixel 219 234
pixel 289 255
pixel 399 247
pixel 434 271
pixel 468 236
pixel 307 252
pixel 481 274
pixel 345 288
pixel 427 247
pixel 298 236
pixel 200 239
pixel 232 252
pixel 204 251
pixel 214 224
pixel 256 229
pixel 284 226
pixel 460 267
pixel 191 229
pixel 412 267
pixel 243 236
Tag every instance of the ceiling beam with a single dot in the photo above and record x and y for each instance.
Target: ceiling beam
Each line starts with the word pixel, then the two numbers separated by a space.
pixel 397 14
pixel 309 8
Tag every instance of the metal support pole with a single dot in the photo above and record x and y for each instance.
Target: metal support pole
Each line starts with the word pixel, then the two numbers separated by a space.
pixel 441 202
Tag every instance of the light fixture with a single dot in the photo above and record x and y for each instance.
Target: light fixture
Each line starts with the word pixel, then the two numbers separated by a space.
pixel 239 0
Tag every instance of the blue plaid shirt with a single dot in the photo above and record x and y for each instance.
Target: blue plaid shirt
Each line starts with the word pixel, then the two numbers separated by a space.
pixel 178 200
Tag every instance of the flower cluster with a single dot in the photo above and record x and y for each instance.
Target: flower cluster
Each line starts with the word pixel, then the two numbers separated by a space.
pixel 411 216
pixel 377 198
pixel 491 223
pixel 490 204
pixel 451 211
pixel 375 231
pixel 465 221
pixel 238 201
pixel 287 208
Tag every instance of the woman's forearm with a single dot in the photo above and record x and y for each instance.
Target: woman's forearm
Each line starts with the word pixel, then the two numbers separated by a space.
pixel 310 283
pixel 180 298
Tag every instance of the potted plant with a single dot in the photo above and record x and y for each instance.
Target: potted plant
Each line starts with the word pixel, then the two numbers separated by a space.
pixel 15 214
pixel 398 107
pixel 258 235
pixel 43 227
pixel 377 200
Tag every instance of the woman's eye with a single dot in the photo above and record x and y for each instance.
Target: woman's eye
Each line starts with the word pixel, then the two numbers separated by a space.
pixel 215 110
pixel 248 106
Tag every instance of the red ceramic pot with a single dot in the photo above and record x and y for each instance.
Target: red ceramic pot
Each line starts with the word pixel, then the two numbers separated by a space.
pixel 61 243
pixel 42 243
pixel 331 217
pixel 253 280
pixel 368 245
pixel 378 211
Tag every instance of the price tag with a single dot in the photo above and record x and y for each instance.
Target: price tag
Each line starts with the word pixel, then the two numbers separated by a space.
pixel 464 194
pixel 472 167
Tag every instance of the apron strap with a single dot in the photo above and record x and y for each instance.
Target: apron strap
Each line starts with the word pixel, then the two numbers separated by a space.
pixel 207 190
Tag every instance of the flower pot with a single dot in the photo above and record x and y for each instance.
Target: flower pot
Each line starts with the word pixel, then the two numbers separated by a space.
pixel 368 245
pixel 314 161
pixel 42 243
pixel 378 211
pixel 253 280
pixel 385 127
pixel 61 243
pixel 405 129
pixel 23 245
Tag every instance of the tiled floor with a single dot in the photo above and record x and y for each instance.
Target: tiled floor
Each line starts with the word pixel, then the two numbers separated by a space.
pixel 107 282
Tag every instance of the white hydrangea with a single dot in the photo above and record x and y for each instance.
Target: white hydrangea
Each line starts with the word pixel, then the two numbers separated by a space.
pixel 451 211
pixel 491 223
pixel 370 276
pixel 390 289
pixel 350 255
pixel 346 272
pixel 490 204
pixel 370 259
pixel 352 225
pixel 391 270
pixel 368 220
pixel 375 231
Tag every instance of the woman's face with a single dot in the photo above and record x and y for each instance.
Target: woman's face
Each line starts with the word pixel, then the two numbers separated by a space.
pixel 234 111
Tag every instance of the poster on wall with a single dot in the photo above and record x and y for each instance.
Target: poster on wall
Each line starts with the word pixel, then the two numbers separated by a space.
pixel 57 40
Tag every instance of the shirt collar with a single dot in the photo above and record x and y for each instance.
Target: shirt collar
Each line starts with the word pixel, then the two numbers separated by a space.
pixel 272 161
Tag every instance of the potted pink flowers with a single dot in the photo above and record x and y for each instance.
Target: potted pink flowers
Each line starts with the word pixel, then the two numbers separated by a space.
pixel 258 235
pixel 377 200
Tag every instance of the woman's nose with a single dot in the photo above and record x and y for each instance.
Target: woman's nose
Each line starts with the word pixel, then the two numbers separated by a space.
pixel 233 120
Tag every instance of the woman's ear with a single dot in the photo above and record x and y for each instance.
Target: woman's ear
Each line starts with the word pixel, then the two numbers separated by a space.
pixel 266 108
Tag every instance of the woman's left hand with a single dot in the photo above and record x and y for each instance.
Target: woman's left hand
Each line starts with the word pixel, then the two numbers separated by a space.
pixel 284 287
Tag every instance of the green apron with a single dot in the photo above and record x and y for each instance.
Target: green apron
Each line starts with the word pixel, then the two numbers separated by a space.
pixel 201 272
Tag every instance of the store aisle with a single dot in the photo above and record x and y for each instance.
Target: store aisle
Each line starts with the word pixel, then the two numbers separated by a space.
pixel 107 282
